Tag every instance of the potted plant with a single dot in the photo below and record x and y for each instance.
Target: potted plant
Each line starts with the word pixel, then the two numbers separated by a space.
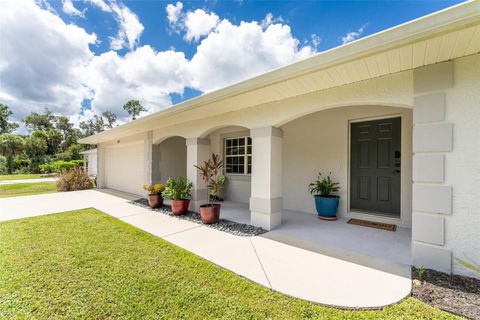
pixel 155 199
pixel 209 171
pixel 325 203
pixel 178 190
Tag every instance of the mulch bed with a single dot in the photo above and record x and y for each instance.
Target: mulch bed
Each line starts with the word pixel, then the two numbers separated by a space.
pixel 453 293
pixel 235 228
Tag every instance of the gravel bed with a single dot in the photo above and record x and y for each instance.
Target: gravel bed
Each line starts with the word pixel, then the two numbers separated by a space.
pixel 453 293
pixel 235 228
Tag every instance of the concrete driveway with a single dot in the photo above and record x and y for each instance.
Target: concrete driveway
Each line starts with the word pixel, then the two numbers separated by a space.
pixel 305 274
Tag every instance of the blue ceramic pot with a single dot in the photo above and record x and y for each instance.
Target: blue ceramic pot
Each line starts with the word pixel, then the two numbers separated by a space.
pixel 327 207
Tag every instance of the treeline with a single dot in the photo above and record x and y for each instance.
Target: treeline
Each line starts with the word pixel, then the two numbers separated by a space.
pixel 50 138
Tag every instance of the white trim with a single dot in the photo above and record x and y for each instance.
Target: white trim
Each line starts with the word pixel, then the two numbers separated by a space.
pixel 379 217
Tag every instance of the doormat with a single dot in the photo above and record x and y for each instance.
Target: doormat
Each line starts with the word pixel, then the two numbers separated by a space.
pixel 372 224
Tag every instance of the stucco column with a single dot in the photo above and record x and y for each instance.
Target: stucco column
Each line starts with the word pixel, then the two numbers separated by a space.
pixel 266 198
pixel 101 183
pixel 148 153
pixel 198 150
pixel 432 140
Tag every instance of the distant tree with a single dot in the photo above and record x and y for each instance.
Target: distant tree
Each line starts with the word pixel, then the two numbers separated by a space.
pixel 10 146
pixel 5 125
pixel 35 149
pixel 36 121
pixel 111 119
pixel 92 126
pixel 134 108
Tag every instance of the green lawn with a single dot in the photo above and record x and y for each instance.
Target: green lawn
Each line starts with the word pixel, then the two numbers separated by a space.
pixel 26 189
pixel 87 265
pixel 20 176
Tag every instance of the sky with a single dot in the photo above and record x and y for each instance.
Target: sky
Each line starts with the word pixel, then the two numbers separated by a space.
pixel 81 58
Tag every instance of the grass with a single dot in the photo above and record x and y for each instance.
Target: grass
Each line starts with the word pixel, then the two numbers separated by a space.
pixel 20 176
pixel 26 189
pixel 87 265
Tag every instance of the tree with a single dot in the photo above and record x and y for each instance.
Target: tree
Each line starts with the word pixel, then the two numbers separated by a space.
pixel 5 125
pixel 92 126
pixel 133 107
pixel 35 148
pixel 36 121
pixel 111 119
pixel 10 146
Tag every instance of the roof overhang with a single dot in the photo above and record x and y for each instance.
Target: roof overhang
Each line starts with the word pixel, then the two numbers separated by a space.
pixel 444 35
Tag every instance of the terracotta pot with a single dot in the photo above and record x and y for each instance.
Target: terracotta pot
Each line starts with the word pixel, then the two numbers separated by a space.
pixel 180 207
pixel 155 201
pixel 210 213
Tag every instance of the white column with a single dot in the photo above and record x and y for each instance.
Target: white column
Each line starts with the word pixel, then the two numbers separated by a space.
pixel 198 150
pixel 147 158
pixel 101 182
pixel 266 197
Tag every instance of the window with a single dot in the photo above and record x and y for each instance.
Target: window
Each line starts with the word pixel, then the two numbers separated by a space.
pixel 238 155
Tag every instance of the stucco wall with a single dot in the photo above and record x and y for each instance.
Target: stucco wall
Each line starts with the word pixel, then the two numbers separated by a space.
pixel 92 163
pixel 462 170
pixel 169 159
pixel 320 142
pixel 237 187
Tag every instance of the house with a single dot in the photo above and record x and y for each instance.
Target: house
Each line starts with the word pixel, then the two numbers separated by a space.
pixel 90 161
pixel 395 118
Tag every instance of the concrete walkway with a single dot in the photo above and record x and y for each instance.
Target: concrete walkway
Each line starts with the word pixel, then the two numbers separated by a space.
pixel 27 181
pixel 295 271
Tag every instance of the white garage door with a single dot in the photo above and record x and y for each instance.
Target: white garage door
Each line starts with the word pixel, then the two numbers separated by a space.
pixel 124 167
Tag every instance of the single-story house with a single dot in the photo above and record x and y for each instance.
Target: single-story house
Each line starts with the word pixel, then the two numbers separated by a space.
pixel 90 161
pixel 395 118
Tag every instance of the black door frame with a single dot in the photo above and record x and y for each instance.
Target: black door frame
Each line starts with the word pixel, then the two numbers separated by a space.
pixel 402 161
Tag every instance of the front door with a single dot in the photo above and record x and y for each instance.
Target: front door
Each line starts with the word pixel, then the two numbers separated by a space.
pixel 375 166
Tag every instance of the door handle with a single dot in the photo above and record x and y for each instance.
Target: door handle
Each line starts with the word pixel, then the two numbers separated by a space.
pixel 396 171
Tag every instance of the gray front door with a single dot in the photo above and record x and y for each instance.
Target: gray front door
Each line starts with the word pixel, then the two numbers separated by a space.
pixel 375 166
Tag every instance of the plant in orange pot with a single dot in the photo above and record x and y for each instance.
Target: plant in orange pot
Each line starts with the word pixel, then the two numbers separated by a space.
pixel 178 190
pixel 155 199
pixel 210 173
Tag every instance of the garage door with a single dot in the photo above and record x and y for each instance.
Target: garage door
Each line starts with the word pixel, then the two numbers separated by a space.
pixel 124 167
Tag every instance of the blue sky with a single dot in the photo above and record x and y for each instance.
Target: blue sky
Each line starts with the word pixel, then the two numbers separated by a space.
pixel 161 59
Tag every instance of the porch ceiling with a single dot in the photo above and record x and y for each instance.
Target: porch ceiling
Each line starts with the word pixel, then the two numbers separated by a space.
pixel 439 37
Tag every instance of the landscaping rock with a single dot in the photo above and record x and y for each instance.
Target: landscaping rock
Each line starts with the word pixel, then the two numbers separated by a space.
pixel 235 228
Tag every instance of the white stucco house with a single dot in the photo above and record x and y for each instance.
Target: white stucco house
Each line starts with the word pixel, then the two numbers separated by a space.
pixel 395 117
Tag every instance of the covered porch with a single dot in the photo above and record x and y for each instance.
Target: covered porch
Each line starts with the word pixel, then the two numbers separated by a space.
pixel 337 239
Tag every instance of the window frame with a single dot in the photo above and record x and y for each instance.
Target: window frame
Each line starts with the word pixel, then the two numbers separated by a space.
pixel 245 155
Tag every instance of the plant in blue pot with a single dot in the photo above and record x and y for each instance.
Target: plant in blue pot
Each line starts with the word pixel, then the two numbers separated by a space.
pixel 325 203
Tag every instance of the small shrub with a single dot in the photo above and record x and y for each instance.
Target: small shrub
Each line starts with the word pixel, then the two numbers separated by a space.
pixel 60 166
pixel 3 165
pixel 323 186
pixel 178 189
pixel 154 189
pixel 75 179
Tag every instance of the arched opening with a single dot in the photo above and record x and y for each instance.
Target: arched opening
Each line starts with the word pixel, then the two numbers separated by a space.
pixel 325 141
pixel 169 159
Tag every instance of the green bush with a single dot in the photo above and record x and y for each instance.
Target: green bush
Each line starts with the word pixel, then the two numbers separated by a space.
pixel 3 165
pixel 75 179
pixel 60 166
pixel 178 189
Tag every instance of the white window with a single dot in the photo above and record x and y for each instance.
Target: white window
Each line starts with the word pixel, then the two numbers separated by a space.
pixel 238 155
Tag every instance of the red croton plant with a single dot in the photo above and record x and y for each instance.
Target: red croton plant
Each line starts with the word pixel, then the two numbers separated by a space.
pixel 209 171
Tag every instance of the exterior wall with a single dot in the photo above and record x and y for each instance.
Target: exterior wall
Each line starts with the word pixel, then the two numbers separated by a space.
pixel 237 187
pixel 169 159
pixel 462 170
pixel 320 142
pixel 92 163
pixel 446 205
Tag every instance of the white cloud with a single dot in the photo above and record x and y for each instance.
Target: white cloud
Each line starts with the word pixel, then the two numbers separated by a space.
pixel 130 28
pixel 40 59
pixel 354 35
pixel 270 19
pixel 315 40
pixel 199 23
pixel 69 8
pixel 174 13
pixel 101 4
pixel 235 52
